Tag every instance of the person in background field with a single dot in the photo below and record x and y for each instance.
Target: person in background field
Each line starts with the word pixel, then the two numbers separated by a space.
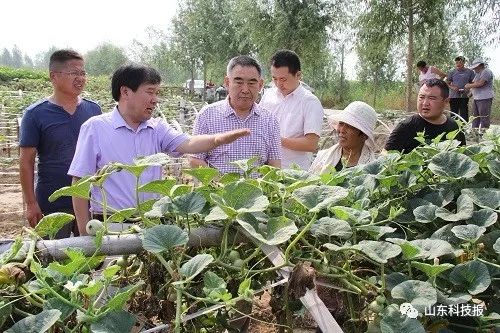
pixel 49 129
pixel 299 112
pixel 430 119
pixel 428 72
pixel 482 92
pixel 457 78
pixel 354 127
pixel 128 132
pixel 243 82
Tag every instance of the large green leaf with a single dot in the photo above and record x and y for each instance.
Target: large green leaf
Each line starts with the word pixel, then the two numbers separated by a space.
pixel 160 208
pixel 80 189
pixel 454 298
pixel 50 224
pixel 441 197
pixel 472 276
pixel 318 197
pixel 465 208
pixel 432 248
pixel 214 287
pixel 444 233
pixel 36 323
pixel 160 186
pixel 205 175
pixel 216 214
pixel 163 237
pixel 354 215
pixel 409 250
pixel 494 167
pixel 378 250
pixel 5 311
pixel 453 165
pixel 393 321
pixel 117 321
pixel 331 227
pixel 122 215
pixel 76 262
pixel 195 265
pixel 484 197
pixel 246 165
pixel 425 213
pixel 142 163
pixel 57 304
pixel 276 230
pixel 431 270
pixel 187 204
pixel 241 197
pixel 376 231
pixel 496 246
pixel 420 294
pixel 213 283
pixel 483 217
pixel 469 232
pixel 122 297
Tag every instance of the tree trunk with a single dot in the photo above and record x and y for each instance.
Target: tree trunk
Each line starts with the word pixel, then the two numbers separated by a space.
pixel 341 97
pixel 409 59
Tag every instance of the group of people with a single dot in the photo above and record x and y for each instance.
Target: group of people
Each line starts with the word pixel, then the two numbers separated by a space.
pixel 476 81
pixel 73 139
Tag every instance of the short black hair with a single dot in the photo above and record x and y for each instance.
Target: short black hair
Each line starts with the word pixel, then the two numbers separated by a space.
pixel 286 58
pixel 243 61
pixel 421 63
pixel 445 90
pixel 60 57
pixel 132 76
pixel 460 58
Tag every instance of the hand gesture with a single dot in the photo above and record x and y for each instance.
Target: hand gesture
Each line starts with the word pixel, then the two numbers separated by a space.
pixel 230 136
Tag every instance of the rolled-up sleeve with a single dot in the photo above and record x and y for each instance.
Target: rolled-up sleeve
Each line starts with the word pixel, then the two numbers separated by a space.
pixel 313 119
pixel 199 128
pixel 84 161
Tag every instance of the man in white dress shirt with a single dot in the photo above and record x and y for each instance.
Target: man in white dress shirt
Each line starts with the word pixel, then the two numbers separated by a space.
pixel 299 112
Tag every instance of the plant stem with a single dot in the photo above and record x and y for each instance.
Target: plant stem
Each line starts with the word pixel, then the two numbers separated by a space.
pixel 298 237
pixel 178 310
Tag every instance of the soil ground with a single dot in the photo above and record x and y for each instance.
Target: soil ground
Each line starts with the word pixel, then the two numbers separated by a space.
pixel 11 204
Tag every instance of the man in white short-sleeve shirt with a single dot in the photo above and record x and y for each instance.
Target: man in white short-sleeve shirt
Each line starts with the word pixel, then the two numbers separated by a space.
pixel 299 112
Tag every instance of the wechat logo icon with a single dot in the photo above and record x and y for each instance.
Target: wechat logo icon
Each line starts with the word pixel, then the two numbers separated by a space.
pixel 408 310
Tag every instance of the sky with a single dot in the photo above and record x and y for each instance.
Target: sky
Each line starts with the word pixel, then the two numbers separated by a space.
pixel 35 26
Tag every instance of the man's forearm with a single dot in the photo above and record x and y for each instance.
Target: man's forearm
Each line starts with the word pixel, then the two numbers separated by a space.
pixel 304 143
pixel 27 177
pixel 81 209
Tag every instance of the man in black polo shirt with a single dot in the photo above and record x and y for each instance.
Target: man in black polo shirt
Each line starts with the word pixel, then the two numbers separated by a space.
pixel 430 119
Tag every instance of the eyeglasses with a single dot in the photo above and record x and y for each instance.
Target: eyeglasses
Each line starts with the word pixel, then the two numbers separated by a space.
pixel 74 73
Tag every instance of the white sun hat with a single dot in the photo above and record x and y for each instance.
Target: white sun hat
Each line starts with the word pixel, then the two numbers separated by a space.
pixel 476 63
pixel 359 115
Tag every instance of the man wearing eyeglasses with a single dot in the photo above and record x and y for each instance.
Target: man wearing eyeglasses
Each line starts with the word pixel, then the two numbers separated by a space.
pixel 49 129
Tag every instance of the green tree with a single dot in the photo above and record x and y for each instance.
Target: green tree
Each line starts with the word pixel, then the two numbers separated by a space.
pixel 6 58
pixel 104 59
pixel 42 59
pixel 17 57
pixel 27 61
pixel 400 22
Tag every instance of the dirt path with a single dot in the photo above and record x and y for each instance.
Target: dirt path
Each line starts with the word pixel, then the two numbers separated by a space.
pixel 11 204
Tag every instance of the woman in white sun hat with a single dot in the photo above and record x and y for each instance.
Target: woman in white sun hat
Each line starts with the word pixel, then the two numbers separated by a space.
pixel 354 125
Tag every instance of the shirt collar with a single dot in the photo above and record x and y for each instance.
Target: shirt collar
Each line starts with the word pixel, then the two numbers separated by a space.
pixel 228 110
pixel 298 92
pixel 118 121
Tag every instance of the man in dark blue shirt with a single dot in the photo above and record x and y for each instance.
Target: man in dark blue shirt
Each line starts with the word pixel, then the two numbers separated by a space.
pixel 49 129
